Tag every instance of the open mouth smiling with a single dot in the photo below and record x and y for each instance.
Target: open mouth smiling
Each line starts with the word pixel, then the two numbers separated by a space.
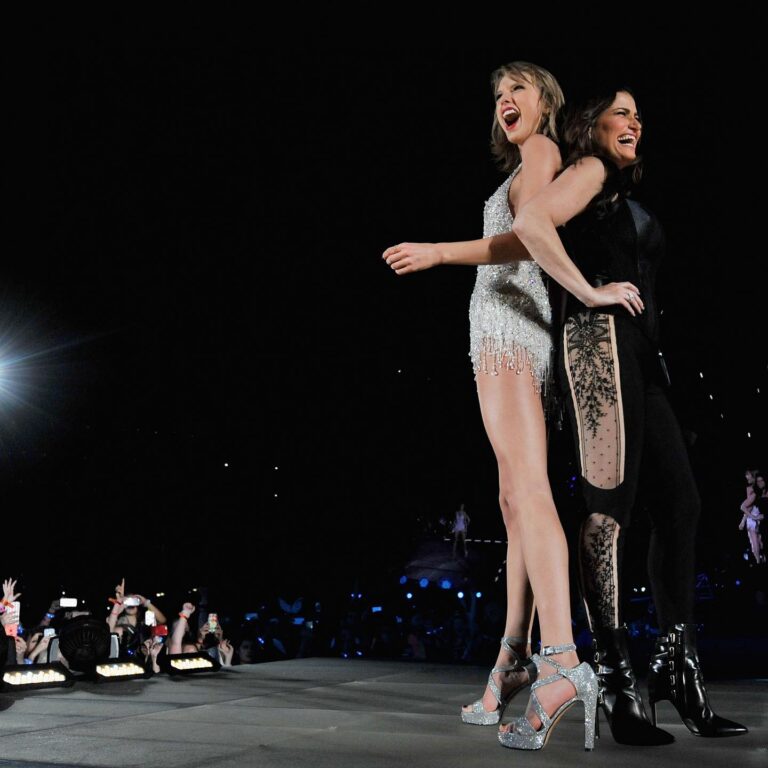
pixel 510 116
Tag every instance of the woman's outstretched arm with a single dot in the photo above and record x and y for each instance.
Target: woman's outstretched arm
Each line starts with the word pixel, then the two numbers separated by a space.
pixel 536 226
pixel 541 160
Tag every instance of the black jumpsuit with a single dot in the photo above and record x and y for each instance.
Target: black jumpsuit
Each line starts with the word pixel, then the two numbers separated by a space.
pixel 626 435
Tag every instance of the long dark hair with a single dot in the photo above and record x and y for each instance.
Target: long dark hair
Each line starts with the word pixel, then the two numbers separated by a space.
pixel 580 143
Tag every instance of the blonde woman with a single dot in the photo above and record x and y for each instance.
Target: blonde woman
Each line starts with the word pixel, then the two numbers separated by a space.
pixel 511 351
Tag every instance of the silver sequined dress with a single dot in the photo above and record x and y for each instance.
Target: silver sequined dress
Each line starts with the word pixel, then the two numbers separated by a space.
pixel 510 317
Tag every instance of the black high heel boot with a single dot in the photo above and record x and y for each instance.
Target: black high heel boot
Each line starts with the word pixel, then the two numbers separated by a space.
pixel 619 696
pixel 675 675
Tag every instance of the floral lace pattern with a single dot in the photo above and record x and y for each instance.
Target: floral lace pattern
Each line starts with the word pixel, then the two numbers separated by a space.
pixel 599 570
pixel 592 366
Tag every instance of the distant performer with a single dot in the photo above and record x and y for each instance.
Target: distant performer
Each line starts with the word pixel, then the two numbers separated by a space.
pixel 753 508
pixel 460 527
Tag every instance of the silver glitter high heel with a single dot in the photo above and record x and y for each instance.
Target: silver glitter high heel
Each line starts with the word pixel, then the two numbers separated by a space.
pixel 584 681
pixel 479 715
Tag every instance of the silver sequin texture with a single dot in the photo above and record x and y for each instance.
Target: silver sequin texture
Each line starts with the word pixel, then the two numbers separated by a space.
pixel 510 318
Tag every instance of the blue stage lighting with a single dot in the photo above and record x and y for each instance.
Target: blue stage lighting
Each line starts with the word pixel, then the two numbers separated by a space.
pixel 460 595
pixel 445 584
pixel 478 594
pixel 409 595
pixel 403 579
pixel 423 583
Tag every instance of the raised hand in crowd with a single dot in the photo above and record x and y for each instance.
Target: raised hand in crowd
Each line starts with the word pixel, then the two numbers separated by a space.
pixel 9 595
pixel 118 606
pixel 180 628
pixel 150 606
pixel 226 652
pixel 37 646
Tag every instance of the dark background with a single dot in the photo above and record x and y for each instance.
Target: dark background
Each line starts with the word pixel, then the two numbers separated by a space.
pixel 193 278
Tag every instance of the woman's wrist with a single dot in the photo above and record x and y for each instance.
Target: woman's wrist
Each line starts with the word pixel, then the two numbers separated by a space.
pixel 588 297
pixel 442 254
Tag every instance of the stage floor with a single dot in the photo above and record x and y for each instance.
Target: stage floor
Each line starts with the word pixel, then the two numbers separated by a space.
pixel 329 713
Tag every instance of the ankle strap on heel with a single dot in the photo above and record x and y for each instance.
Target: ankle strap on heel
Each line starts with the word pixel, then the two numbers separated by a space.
pixel 551 650
pixel 507 643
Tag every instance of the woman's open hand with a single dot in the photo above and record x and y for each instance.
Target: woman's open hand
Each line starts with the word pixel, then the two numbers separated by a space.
pixel 412 257
pixel 623 293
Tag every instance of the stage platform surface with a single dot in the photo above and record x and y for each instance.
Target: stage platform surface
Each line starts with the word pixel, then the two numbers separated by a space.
pixel 331 713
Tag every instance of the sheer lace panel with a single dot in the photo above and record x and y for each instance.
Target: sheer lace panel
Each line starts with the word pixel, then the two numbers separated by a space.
pixel 592 366
pixel 598 560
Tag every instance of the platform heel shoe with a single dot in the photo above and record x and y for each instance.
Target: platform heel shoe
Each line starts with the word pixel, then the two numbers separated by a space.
pixel 584 680
pixel 619 696
pixel 675 675
pixel 479 715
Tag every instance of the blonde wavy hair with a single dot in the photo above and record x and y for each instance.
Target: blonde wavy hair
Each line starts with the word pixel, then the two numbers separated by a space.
pixel 552 100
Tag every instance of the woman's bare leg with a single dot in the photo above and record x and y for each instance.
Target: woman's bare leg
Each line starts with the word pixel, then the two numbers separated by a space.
pixel 514 421
pixel 754 542
pixel 520 611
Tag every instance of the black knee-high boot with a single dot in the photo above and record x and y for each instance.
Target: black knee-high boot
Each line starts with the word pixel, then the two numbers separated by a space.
pixel 675 675
pixel 619 696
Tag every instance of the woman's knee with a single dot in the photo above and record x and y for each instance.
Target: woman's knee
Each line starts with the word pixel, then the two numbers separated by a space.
pixel 524 499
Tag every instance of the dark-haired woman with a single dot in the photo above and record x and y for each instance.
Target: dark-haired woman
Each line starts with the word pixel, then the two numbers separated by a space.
pixel 627 438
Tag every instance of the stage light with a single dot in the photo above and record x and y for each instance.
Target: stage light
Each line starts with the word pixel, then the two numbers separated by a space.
pixel 738 582
pixel 33 676
pixel 403 579
pixel 423 583
pixel 445 584
pixel 478 594
pixel 122 670
pixel 376 609
pixel 642 589
pixel 409 595
pixel 460 595
pixel 189 663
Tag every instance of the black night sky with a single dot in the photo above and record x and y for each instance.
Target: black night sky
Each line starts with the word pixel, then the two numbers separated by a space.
pixel 210 377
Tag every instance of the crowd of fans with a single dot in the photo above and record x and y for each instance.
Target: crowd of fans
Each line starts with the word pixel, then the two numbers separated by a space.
pixel 141 627
pixel 406 622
